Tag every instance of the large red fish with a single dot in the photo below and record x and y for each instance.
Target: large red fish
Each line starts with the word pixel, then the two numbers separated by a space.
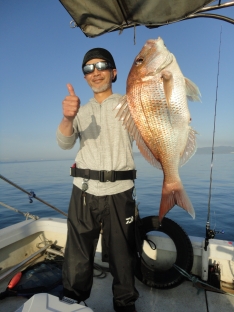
pixel 155 112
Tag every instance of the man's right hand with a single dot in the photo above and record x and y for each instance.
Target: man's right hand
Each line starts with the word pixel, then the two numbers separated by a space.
pixel 71 104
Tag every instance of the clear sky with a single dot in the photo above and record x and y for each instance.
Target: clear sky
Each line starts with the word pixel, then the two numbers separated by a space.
pixel 40 54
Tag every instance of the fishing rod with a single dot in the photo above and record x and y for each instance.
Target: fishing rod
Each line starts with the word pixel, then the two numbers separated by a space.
pixel 211 233
pixel 32 195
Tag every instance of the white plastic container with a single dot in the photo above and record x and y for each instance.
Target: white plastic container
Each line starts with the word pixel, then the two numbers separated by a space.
pixel 47 303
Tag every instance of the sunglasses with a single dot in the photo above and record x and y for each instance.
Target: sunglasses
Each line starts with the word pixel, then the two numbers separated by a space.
pixel 102 65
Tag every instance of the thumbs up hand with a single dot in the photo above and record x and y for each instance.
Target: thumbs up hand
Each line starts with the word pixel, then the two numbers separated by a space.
pixel 71 104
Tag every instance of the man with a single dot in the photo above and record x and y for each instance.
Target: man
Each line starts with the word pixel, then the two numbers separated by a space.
pixel 102 186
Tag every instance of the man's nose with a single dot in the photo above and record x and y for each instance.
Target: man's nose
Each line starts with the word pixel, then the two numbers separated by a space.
pixel 96 71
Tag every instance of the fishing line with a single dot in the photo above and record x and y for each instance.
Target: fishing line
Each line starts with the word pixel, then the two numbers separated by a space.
pixel 208 231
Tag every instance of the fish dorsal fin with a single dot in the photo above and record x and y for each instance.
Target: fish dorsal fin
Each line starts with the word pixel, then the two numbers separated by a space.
pixel 190 147
pixel 124 114
pixel 192 91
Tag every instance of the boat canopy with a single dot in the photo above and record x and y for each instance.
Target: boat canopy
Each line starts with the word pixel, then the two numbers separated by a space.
pixel 95 18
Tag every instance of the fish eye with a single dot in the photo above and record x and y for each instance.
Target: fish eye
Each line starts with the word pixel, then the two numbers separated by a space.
pixel 139 61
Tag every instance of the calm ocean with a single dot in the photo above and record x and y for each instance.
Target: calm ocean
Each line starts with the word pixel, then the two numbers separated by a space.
pixel 51 182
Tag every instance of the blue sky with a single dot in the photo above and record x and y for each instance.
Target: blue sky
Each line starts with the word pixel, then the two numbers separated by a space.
pixel 40 53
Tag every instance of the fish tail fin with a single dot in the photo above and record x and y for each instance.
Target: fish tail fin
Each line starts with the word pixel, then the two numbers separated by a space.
pixel 174 194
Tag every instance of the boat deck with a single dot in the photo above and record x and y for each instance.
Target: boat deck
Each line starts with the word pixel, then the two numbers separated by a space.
pixel 184 298
pixel 21 241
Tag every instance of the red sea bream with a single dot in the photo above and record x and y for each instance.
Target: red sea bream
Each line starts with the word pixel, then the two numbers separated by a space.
pixel 155 112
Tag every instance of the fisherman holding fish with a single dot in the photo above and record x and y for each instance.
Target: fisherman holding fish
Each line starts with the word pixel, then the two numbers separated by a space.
pixel 102 194
pixel 154 112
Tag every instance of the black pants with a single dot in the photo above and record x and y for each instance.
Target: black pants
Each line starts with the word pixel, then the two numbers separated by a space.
pixel 116 213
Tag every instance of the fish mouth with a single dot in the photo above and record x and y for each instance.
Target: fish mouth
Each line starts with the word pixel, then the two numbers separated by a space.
pixel 159 47
pixel 168 60
pixel 152 42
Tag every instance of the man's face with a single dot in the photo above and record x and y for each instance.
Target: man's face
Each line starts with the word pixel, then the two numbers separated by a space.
pixel 100 80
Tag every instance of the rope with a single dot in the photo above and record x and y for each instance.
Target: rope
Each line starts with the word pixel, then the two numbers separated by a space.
pixel 134 36
pixel 103 271
pixel 26 214
pixel 30 195
pixel 195 280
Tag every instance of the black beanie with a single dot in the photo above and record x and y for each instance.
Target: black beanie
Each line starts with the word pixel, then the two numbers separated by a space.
pixel 102 54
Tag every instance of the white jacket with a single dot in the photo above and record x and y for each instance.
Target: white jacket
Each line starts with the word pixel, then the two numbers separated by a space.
pixel 105 144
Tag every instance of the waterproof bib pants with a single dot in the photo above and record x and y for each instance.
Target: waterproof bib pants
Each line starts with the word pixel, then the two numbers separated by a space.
pixel 87 214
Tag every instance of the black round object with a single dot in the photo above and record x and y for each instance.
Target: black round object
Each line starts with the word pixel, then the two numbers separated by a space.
pixel 165 279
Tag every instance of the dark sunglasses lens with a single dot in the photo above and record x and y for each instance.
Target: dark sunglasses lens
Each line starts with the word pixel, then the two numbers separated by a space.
pixel 89 68
pixel 102 65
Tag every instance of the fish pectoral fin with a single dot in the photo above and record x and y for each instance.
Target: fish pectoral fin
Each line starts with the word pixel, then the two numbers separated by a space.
pixel 122 108
pixel 167 79
pixel 174 194
pixel 192 91
pixel 190 148
pixel 124 115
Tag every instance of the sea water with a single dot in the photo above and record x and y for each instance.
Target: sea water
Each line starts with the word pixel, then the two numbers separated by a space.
pixel 50 181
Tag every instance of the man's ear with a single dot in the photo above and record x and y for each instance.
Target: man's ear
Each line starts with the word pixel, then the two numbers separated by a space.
pixel 114 73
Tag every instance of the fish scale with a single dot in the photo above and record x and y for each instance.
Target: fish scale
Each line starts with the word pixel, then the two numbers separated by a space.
pixel 153 115
pixel 155 112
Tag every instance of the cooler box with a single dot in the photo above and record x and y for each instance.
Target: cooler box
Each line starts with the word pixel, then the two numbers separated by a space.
pixel 47 303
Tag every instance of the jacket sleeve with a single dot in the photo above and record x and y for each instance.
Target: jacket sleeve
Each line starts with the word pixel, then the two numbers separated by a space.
pixel 67 142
